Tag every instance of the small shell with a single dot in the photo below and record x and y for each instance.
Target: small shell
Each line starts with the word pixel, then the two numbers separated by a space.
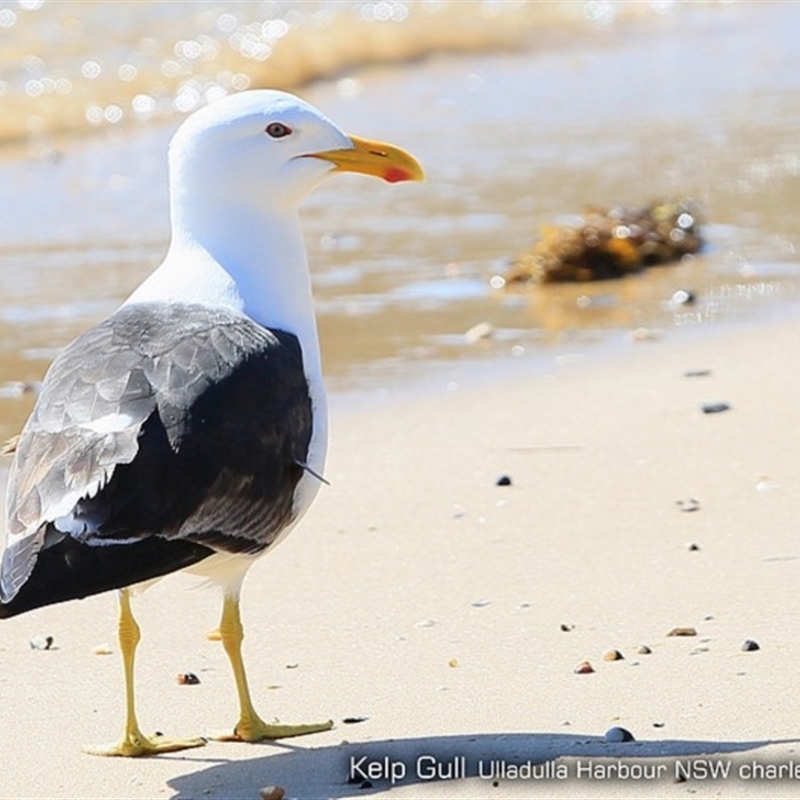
pixel 483 330
pixel 102 650
pixel 584 668
pixel 750 646
pixel 214 635
pixel 187 679
pixel 643 650
pixel 453 662
pixel 613 655
pixel 41 642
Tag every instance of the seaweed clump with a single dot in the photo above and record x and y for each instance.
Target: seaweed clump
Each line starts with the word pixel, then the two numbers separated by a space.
pixel 610 243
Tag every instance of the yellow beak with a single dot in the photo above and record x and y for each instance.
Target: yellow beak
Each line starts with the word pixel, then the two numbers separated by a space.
pixel 375 158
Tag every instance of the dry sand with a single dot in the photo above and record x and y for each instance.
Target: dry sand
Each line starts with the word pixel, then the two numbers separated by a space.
pixel 421 596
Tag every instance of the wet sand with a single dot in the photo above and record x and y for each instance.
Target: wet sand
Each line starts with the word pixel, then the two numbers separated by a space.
pixel 449 612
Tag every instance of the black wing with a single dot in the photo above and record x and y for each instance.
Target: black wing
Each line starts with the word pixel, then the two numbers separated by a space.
pixel 177 430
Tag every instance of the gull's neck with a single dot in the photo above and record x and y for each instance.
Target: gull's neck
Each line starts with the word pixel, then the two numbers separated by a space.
pixel 251 261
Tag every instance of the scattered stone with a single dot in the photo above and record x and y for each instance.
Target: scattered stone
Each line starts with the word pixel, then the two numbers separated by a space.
pixel 187 679
pixel 613 655
pixel 41 642
pixel 688 506
pixel 294 665
pixel 18 388
pixel 354 720
pixel 453 662
pixel 483 330
pixel 480 603
pixel 696 373
pixel 214 635
pixel 584 668
pixel 658 724
pixel 272 793
pixel 766 484
pixel 644 335
pixel 425 623
pixel 102 650
pixel 643 650
pixel 682 632
pixel 692 547
pixel 503 480
pixel 617 734
pixel 750 646
pixel 683 297
pixel 715 408
pixel 566 627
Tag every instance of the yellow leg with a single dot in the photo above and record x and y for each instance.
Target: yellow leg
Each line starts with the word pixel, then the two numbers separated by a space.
pixel 251 728
pixel 133 742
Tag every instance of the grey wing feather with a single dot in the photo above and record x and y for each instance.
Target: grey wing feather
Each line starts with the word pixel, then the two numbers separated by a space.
pixel 82 427
pixel 96 397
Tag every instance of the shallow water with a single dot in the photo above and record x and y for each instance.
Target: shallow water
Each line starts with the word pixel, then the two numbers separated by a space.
pixel 545 109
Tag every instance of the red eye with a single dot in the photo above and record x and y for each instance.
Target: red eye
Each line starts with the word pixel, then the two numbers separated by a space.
pixel 277 130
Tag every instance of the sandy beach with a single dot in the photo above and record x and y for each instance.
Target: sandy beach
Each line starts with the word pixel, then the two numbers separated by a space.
pixel 438 617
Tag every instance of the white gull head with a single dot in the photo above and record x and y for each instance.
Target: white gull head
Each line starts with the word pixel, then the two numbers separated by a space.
pixel 239 169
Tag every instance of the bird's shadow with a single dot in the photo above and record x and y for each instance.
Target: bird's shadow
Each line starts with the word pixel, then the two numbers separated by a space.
pixel 367 767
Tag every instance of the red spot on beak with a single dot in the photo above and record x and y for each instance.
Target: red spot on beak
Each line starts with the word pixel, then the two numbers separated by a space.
pixel 396 174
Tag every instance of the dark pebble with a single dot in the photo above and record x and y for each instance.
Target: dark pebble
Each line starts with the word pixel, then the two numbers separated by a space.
pixel 617 734
pixel 504 480
pixel 696 373
pixel 714 408
pixel 566 628
pixel 750 646
pixel 354 720
pixel 693 547
pixel 188 679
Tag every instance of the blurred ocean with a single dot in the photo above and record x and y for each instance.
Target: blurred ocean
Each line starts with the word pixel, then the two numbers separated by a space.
pixel 523 113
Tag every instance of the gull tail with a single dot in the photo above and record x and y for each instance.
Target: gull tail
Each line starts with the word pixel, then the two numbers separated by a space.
pixel 71 570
